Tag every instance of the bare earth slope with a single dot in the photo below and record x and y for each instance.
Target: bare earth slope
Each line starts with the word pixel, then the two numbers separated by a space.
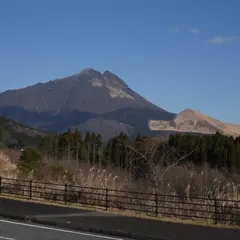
pixel 193 121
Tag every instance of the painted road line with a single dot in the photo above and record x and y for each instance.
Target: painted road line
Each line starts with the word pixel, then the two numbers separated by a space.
pixel 59 230
pixel 6 238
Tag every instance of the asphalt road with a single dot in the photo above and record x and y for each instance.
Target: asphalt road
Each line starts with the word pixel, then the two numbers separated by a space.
pixel 14 230
pixel 93 221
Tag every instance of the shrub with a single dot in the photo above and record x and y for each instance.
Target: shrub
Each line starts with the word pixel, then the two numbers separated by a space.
pixel 30 159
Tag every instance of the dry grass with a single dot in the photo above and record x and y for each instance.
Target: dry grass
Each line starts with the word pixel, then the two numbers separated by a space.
pixel 7 169
pixel 87 186
pixel 200 182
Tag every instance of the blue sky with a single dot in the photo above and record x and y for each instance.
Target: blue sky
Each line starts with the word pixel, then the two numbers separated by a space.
pixel 176 53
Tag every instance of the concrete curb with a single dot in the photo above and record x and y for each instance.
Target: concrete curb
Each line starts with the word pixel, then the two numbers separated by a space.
pixel 78 227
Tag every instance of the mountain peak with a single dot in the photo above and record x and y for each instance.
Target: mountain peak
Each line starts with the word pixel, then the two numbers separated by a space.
pixel 108 76
pixel 114 79
pixel 108 72
pixel 90 72
pixel 189 110
pixel 73 101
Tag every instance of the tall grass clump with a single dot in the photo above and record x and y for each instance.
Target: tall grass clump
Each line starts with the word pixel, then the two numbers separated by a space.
pixel 7 168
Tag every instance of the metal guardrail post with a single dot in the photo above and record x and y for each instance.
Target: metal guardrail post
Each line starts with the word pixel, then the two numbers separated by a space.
pixel 30 189
pixel 65 193
pixel 215 212
pixel 156 205
pixel 0 185
pixel 106 199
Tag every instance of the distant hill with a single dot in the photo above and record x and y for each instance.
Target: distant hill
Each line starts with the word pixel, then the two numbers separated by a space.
pixel 14 134
pixel 89 100
pixel 192 121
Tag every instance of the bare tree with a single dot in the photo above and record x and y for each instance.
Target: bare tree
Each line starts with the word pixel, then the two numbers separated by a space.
pixel 146 154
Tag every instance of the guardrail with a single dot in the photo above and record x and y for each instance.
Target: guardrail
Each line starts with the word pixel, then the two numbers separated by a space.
pixel 157 205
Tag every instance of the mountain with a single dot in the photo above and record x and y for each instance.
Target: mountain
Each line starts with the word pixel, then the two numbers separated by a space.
pixel 89 100
pixel 137 117
pixel 107 128
pixel 192 121
pixel 88 91
pixel 101 103
pixel 14 134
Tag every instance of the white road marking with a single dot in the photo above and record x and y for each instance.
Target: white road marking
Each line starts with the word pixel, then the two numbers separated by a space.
pixel 58 230
pixel 6 238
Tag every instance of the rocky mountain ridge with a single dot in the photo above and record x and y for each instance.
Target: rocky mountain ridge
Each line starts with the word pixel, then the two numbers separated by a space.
pixel 89 100
pixel 193 121
pixel 87 91
pixel 102 103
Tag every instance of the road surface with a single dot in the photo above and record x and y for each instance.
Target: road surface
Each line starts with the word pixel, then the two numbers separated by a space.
pixel 14 230
pixel 93 221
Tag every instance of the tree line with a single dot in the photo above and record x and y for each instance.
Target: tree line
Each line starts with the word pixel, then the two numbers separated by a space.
pixel 73 146
pixel 219 151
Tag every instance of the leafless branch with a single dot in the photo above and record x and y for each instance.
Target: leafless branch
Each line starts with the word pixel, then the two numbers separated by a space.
pixel 174 164
pixel 164 155
pixel 135 151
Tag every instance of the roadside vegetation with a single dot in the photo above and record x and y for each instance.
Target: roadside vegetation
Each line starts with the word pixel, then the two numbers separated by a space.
pixel 184 166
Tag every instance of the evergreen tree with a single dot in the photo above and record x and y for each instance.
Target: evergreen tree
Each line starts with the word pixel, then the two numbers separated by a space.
pixel 231 160
pixel 99 145
pixel 77 144
pixel 69 139
pixel 62 145
pixel 203 153
pixel 93 148
pixel 30 159
pixel 56 140
pixel 87 143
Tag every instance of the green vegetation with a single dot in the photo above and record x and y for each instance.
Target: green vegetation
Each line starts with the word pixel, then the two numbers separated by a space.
pixel 16 135
pixel 183 164
pixel 218 151
pixel 30 159
pixel 72 145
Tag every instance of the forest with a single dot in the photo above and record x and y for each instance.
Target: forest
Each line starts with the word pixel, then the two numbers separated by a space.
pixel 218 151
pixel 182 164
